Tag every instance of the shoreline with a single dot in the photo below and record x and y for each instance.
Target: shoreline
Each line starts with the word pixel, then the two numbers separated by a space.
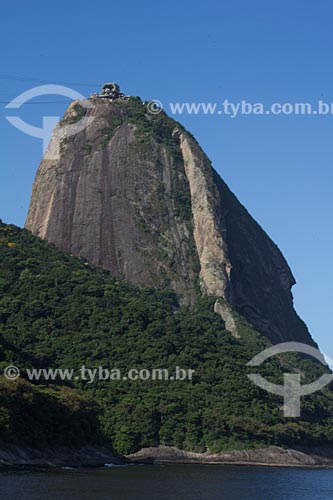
pixel 97 456
pixel 272 456
pixel 58 456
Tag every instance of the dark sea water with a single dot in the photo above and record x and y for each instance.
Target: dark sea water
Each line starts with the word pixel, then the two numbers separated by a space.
pixel 181 482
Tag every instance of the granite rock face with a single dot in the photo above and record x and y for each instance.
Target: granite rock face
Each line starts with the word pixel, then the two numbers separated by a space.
pixel 135 194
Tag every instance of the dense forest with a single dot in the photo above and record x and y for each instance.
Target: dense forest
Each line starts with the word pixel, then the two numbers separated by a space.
pixel 58 311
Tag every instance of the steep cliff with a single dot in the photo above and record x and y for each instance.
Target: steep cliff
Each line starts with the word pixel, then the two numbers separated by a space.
pixel 134 193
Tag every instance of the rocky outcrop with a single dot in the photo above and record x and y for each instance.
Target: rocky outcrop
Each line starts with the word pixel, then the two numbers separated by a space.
pixel 272 456
pixel 134 193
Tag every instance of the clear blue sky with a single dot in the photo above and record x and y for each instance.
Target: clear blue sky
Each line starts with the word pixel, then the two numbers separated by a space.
pixel 260 51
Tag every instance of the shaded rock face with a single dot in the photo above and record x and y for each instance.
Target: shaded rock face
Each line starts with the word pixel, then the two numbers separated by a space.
pixel 135 194
pixel 261 279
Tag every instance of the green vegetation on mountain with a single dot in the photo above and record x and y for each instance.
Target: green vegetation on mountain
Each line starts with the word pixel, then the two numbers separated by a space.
pixel 57 311
pixel 41 416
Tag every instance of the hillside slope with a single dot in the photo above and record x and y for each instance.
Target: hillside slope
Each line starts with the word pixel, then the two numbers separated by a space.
pixel 58 311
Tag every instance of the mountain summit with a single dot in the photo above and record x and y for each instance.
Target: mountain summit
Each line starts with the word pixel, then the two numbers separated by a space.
pixel 134 193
